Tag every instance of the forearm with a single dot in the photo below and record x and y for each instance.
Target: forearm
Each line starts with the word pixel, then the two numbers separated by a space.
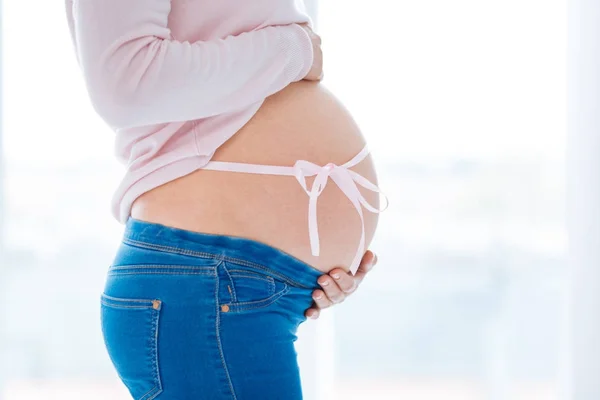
pixel 137 74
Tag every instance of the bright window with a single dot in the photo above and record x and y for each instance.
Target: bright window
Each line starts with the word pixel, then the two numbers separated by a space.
pixel 463 102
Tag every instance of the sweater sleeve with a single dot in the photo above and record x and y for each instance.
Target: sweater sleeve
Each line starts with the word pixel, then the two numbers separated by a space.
pixel 137 74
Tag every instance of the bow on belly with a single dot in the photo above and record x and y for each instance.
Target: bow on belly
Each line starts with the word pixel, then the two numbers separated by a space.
pixel 348 182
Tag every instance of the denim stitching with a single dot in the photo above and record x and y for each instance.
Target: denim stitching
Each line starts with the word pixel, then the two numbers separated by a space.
pixel 186 252
pixel 232 287
pixel 214 256
pixel 149 395
pixel 218 331
pixel 268 270
pixel 250 274
pixel 122 300
pixel 281 292
pixel 240 273
pixel 268 280
pixel 159 273
pixel 143 397
pixel 272 286
pixel 254 305
pixel 122 306
pixel 157 389
pixel 113 267
pixel 156 322
pixel 259 306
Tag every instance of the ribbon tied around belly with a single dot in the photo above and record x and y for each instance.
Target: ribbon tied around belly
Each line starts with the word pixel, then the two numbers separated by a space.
pixel 348 182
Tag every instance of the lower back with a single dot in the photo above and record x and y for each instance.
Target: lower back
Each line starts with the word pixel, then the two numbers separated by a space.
pixel 302 122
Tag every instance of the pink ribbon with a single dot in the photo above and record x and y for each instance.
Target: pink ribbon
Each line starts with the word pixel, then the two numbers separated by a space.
pixel 348 182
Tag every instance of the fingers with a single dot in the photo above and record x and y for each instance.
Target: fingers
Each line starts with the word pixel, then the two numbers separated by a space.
pixel 321 300
pixel 367 263
pixel 338 285
pixel 312 313
pixel 331 289
pixel 345 281
pixel 316 71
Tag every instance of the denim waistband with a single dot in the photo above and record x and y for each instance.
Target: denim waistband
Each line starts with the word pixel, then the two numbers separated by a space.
pixel 223 247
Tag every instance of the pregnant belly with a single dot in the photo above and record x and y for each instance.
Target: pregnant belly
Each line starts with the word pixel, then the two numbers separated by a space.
pixel 302 122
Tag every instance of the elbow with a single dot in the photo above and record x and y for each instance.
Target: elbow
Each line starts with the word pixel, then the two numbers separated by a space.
pixel 119 105
pixel 113 110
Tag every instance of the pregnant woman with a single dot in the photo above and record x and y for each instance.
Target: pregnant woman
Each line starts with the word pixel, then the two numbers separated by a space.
pixel 247 182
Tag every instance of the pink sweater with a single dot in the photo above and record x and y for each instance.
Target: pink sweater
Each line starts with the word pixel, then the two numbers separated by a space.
pixel 177 78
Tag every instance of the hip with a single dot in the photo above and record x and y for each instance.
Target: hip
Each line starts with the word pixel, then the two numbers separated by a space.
pixel 189 315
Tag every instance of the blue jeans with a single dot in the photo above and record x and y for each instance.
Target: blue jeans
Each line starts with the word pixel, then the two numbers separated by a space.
pixel 194 316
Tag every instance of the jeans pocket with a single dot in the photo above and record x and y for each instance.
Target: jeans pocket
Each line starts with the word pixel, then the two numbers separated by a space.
pixel 244 288
pixel 130 331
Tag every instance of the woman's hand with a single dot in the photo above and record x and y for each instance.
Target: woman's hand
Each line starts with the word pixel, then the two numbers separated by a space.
pixel 316 72
pixel 339 284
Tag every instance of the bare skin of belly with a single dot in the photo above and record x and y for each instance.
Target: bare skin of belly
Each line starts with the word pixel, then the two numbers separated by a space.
pixel 302 122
